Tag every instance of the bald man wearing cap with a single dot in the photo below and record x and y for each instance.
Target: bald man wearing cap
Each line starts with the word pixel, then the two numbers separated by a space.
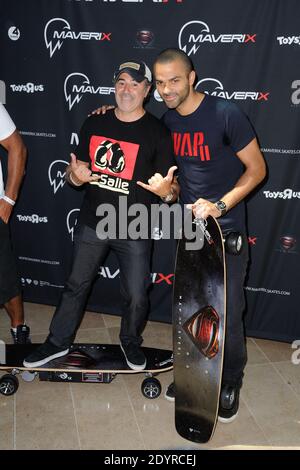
pixel 116 152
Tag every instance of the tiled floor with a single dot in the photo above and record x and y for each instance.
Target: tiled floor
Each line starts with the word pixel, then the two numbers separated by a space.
pixel 116 416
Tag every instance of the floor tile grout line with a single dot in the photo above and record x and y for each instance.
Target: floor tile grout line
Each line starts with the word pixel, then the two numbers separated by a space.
pixel 15 423
pixel 134 414
pixel 106 326
pixel 269 360
pixel 93 328
pixel 278 373
pixel 285 381
pixel 262 352
pixel 75 417
pixel 256 422
pixel 129 399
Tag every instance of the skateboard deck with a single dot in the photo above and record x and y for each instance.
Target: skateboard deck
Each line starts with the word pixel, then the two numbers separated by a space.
pixel 85 362
pixel 199 312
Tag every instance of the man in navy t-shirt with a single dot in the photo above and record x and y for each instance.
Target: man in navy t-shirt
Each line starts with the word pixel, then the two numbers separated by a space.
pixel 219 164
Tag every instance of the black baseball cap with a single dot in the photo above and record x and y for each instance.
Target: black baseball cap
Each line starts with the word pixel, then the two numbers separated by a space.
pixel 139 71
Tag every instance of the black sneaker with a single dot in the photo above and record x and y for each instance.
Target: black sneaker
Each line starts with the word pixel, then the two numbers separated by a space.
pixel 229 404
pixel 134 356
pixel 46 352
pixel 170 392
pixel 21 336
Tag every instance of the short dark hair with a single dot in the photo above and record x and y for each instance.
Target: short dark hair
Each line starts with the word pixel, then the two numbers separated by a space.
pixel 171 54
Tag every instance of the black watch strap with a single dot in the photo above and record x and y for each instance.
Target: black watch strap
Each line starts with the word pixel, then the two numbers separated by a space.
pixel 221 206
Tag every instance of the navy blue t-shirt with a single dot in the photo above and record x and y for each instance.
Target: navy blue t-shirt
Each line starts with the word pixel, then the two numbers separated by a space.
pixel 205 146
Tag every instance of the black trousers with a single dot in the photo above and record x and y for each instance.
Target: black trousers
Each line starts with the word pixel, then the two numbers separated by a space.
pixel 9 279
pixel 235 354
pixel 89 252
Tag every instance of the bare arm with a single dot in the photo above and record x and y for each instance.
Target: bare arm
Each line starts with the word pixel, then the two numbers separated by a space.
pixel 78 172
pixel 255 171
pixel 17 155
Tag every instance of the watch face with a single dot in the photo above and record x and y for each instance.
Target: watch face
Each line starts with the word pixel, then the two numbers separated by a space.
pixel 221 206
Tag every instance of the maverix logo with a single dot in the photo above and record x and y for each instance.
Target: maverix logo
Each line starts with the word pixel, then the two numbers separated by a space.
pixel 57 173
pixel 72 221
pixel 213 87
pixel 59 29
pixel 77 84
pixel 252 240
pixel 195 33
pixel 156 278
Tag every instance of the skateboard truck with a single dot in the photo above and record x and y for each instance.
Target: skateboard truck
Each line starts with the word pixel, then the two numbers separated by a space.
pixel 233 241
pixel 202 223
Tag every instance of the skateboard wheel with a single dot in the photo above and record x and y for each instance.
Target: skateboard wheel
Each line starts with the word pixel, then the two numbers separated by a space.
pixel 234 243
pixel 151 388
pixel 9 384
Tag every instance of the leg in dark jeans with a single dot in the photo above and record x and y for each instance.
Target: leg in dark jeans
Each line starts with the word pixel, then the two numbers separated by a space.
pixel 134 261
pixel 235 355
pixel 89 252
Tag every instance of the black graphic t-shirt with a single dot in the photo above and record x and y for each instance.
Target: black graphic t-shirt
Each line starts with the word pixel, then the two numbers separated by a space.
pixel 122 153
pixel 205 146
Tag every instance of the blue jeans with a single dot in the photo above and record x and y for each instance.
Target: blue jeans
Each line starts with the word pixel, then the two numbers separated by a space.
pixel 89 252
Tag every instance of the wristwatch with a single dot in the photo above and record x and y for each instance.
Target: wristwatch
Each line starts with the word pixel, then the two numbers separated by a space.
pixel 221 206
